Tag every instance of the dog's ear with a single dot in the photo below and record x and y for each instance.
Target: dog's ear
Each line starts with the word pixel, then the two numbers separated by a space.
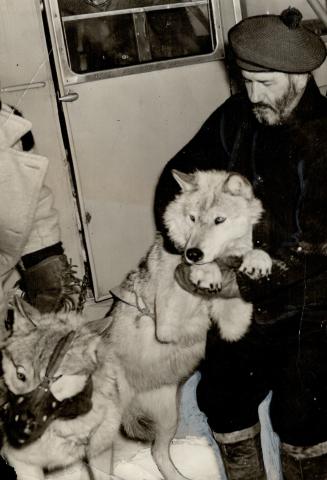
pixel 25 316
pixel 184 180
pixel 237 185
pixel 96 329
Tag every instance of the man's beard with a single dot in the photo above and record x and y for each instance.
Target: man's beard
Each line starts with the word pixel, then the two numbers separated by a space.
pixel 278 113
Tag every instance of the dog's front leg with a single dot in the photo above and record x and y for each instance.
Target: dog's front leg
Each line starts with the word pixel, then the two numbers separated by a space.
pixel 162 406
pixel 172 305
pixel 256 264
pixel 207 277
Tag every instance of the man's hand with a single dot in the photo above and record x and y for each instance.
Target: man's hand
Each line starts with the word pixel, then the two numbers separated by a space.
pixel 210 280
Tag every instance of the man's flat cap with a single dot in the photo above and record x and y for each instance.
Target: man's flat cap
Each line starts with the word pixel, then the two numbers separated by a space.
pixel 277 43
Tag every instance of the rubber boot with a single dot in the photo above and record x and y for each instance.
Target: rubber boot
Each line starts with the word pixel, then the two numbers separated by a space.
pixel 241 454
pixel 304 463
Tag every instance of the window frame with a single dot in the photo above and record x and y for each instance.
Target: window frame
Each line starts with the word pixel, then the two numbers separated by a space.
pixel 72 78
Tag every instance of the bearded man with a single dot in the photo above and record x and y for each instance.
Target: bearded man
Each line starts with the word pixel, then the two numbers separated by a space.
pixel 275 134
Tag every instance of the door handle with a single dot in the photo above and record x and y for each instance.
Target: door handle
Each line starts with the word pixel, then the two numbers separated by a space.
pixel 69 97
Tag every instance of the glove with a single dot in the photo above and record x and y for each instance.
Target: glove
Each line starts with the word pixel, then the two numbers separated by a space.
pixel 51 285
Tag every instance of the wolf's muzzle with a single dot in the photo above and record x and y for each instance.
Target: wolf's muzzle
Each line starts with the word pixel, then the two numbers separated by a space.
pixel 26 417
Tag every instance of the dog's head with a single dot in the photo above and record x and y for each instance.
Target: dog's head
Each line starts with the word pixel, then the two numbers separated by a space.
pixel 48 363
pixel 214 211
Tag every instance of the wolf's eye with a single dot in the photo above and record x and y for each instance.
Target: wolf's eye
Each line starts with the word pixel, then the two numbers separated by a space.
pixel 219 220
pixel 192 218
pixel 20 374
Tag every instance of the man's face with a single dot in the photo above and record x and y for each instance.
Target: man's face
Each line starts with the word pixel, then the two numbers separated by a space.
pixel 273 95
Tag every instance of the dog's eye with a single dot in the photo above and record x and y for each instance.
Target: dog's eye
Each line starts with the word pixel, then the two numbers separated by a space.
pixel 192 218
pixel 219 220
pixel 20 374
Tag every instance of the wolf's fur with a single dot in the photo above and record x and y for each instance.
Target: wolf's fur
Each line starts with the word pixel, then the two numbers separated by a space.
pixel 152 341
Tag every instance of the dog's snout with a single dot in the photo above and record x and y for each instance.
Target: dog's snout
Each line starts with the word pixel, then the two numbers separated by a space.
pixel 194 255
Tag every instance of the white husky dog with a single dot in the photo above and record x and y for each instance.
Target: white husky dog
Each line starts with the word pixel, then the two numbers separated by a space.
pixel 136 359
pixel 212 220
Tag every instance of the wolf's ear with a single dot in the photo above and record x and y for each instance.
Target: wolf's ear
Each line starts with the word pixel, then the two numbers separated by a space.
pixel 25 318
pixel 98 326
pixel 237 185
pixel 184 180
pixel 96 329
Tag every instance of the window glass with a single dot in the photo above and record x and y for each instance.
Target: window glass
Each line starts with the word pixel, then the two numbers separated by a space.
pixel 107 34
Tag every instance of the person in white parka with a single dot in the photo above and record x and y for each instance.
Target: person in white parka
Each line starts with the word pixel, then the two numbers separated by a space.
pixel 31 253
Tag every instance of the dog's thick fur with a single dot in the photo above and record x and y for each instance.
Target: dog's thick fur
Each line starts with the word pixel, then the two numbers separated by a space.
pixel 153 339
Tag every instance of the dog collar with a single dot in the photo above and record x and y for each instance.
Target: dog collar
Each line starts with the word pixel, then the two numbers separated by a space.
pixel 132 299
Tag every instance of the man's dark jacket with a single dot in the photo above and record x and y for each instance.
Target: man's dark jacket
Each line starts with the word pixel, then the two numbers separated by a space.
pixel 287 165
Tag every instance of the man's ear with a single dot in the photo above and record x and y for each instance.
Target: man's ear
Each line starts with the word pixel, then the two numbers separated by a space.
pixel 25 316
pixel 300 81
pixel 237 185
pixel 184 180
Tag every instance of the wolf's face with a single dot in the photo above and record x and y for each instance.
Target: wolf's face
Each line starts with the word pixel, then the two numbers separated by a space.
pixel 214 210
pixel 26 354
pixel 48 363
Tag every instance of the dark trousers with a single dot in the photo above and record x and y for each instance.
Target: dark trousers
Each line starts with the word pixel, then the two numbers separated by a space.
pixel 289 358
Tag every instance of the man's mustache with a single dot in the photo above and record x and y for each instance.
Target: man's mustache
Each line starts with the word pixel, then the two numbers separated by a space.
pixel 262 105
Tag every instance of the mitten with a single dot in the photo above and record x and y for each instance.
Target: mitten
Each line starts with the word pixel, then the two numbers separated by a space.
pixel 51 285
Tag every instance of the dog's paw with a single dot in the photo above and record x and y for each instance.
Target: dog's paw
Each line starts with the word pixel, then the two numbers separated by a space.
pixel 256 264
pixel 207 277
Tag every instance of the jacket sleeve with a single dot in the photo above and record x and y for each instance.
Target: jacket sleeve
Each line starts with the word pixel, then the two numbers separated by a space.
pixel 297 279
pixel 299 273
pixel 45 228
